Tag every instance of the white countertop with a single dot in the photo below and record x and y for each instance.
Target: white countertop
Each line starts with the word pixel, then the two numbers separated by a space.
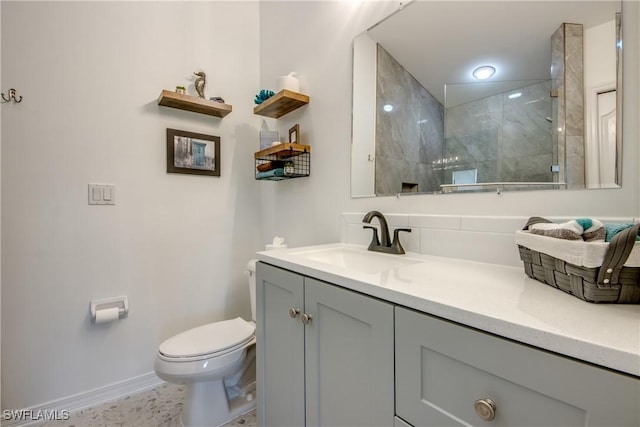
pixel 493 298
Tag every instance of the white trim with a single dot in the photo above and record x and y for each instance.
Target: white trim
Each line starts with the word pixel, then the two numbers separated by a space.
pixel 91 398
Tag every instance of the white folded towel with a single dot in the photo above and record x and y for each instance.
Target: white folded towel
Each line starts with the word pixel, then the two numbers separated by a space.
pixel 576 229
pixel 586 254
pixel 597 231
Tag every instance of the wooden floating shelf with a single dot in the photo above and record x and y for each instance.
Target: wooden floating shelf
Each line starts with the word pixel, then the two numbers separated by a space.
pixel 283 151
pixel 281 103
pixel 192 103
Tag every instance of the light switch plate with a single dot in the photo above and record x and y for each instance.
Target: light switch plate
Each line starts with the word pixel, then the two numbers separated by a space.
pixel 102 194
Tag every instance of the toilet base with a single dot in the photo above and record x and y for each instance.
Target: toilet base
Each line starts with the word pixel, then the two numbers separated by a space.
pixel 206 405
pixel 214 403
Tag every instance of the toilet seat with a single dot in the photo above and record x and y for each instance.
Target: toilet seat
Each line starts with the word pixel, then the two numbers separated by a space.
pixel 208 341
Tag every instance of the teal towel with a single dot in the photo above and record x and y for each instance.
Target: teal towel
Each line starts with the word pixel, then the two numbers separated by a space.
pixel 270 174
pixel 613 229
pixel 586 223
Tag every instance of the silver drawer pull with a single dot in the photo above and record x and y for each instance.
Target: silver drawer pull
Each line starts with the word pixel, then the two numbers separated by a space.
pixel 293 312
pixel 305 318
pixel 485 408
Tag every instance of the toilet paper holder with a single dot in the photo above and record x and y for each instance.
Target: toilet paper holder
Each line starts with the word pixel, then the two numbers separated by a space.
pixel 122 303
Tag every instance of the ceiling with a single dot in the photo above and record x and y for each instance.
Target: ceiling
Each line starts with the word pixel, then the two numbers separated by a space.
pixel 442 42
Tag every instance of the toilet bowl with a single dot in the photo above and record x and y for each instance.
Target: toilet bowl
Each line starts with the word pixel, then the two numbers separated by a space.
pixel 216 364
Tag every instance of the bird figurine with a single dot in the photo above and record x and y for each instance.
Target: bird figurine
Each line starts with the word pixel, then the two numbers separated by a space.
pixel 200 83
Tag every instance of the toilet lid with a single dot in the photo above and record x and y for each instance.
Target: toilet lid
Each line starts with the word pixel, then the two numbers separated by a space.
pixel 207 339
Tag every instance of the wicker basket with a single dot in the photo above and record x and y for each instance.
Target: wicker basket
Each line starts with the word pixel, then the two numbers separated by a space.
pixel 611 282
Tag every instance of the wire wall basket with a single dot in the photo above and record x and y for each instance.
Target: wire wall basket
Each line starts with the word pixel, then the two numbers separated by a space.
pixel 283 161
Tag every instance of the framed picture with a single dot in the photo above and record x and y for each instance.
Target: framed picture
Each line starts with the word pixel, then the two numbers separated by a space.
pixel 294 135
pixel 193 153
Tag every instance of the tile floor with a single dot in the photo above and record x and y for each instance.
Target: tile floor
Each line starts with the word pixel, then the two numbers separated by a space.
pixel 158 407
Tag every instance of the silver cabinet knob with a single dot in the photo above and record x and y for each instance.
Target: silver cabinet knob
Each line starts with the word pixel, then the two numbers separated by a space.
pixel 485 408
pixel 305 319
pixel 293 312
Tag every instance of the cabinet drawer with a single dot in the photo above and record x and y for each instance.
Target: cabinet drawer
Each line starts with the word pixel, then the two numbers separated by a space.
pixel 442 369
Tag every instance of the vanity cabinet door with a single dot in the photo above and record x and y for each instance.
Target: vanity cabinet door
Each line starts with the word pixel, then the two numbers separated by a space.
pixel 444 369
pixel 329 362
pixel 349 358
pixel 279 347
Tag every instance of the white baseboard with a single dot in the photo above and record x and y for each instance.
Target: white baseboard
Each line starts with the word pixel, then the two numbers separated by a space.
pixel 87 399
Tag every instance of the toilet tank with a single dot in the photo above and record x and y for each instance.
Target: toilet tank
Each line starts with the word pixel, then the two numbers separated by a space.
pixel 251 268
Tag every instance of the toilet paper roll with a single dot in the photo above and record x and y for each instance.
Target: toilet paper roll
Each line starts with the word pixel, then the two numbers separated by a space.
pixel 107 315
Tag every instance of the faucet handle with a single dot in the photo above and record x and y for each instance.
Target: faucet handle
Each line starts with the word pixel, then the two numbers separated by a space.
pixel 396 240
pixel 374 238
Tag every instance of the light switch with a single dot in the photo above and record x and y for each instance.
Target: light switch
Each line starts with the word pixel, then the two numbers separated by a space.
pixel 102 194
pixel 96 194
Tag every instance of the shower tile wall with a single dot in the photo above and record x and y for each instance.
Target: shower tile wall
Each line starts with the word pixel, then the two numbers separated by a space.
pixel 410 138
pixel 505 139
pixel 474 137
pixel 568 80
pixel 558 104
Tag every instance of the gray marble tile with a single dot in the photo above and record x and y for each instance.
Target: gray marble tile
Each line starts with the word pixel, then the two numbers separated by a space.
pixel 574 106
pixel 567 71
pixel 535 168
pixel 499 136
pixel 575 161
pixel 557 57
pixel 526 129
pixel 409 138
pixel 474 130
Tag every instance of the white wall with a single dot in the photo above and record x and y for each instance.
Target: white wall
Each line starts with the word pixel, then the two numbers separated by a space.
pixel 600 54
pixel 363 130
pixel 599 76
pixel 177 245
pixel 305 210
pixel 319 47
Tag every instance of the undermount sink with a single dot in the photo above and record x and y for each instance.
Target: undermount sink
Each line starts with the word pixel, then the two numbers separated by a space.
pixel 358 260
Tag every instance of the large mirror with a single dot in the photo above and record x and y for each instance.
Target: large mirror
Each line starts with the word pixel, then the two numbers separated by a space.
pixel 547 117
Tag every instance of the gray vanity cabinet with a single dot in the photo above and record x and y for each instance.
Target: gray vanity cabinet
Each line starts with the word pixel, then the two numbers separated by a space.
pixel 324 353
pixel 443 370
pixel 279 347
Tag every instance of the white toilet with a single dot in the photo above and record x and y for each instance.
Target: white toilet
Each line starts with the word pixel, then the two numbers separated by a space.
pixel 216 363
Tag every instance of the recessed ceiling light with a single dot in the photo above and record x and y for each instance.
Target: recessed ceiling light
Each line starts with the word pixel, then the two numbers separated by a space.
pixel 484 72
pixel 388 108
pixel 515 95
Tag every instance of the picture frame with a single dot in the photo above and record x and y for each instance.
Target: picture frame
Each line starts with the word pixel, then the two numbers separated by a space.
pixel 192 153
pixel 294 135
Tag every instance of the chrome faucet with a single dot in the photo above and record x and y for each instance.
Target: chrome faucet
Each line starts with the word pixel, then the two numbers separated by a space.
pixel 383 244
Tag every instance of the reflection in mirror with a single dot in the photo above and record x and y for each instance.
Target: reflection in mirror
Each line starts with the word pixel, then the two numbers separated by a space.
pixel 503 132
pixel 546 119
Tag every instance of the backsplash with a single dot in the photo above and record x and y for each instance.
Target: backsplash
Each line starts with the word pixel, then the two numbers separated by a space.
pixel 476 238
